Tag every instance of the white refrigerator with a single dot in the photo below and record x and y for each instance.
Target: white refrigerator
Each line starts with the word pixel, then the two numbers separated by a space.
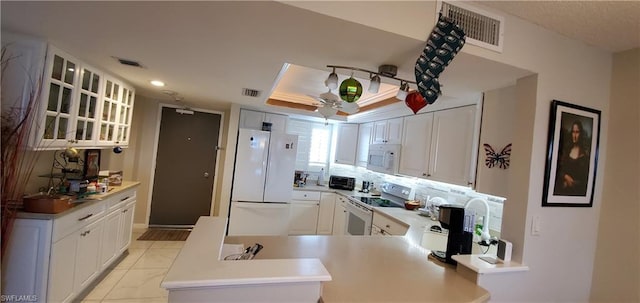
pixel 262 183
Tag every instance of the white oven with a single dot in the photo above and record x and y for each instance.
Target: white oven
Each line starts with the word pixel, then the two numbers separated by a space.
pixel 384 158
pixel 358 221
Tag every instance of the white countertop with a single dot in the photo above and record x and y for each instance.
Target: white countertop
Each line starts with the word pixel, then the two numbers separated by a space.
pixel 480 266
pixel 90 200
pixel 199 263
pixel 372 269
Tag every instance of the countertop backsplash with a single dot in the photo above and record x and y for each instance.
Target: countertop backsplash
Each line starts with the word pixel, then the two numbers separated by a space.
pixel 454 194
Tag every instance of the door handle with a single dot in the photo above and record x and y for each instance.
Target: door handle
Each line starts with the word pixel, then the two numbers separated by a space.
pixel 206 175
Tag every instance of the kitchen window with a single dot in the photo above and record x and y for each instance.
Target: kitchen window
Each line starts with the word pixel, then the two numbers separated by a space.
pixel 314 144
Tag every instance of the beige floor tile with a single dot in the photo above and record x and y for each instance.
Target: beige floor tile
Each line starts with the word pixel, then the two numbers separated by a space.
pixel 168 244
pixel 131 258
pixel 141 244
pixel 102 288
pixel 156 258
pixel 139 284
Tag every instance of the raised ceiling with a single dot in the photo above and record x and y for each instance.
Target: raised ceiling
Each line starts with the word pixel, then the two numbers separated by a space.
pixel 208 52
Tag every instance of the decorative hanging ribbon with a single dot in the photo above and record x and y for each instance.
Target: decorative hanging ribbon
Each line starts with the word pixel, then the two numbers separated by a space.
pixel 445 41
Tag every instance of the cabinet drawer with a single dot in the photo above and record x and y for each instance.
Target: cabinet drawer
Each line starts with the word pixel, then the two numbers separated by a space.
pixel 77 219
pixel 306 195
pixel 120 199
pixel 389 225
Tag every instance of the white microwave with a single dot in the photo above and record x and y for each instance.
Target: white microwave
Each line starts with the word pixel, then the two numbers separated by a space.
pixel 384 158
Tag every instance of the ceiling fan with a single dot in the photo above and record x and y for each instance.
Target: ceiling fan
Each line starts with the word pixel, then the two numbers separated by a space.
pixel 331 103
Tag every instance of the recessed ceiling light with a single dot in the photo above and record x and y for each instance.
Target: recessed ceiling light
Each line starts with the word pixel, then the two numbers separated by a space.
pixel 157 83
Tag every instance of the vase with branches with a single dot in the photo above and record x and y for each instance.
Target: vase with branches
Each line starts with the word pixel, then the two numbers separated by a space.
pixel 19 111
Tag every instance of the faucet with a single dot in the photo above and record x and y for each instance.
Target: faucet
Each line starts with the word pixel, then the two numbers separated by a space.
pixel 485 236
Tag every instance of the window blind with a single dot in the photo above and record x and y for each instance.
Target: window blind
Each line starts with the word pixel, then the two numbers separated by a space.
pixel 314 144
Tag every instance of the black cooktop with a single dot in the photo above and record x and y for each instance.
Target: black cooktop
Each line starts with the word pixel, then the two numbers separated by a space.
pixel 378 202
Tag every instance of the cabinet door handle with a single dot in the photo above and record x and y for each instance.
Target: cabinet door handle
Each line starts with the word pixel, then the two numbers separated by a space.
pixel 125 198
pixel 126 210
pixel 388 226
pixel 85 217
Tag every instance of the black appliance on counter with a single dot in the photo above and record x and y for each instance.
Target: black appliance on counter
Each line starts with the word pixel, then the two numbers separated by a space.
pixel 339 182
pixel 460 226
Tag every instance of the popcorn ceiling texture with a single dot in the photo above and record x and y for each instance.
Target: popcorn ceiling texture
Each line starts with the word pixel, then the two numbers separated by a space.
pixel 589 21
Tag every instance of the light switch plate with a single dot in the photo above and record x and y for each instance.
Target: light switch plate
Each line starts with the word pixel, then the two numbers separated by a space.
pixel 536 226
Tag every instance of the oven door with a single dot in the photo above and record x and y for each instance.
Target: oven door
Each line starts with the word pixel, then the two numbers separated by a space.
pixel 358 220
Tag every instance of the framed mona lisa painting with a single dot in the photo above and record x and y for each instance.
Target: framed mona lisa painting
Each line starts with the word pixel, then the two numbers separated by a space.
pixel 572 155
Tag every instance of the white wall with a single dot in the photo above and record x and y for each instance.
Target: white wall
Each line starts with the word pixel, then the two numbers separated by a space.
pixel 498 117
pixel 561 258
pixel 617 264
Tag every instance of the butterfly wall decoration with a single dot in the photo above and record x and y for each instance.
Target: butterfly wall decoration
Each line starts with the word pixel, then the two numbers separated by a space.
pixel 493 158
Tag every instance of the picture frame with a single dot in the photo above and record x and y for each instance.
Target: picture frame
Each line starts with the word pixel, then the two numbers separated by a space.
pixel 572 155
pixel 91 163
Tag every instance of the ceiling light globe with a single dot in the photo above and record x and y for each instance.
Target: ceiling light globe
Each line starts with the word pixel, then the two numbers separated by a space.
pixel 374 86
pixel 327 111
pixel 332 81
pixel 350 90
pixel 403 92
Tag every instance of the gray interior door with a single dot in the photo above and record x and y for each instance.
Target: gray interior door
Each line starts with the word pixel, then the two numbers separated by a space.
pixel 185 166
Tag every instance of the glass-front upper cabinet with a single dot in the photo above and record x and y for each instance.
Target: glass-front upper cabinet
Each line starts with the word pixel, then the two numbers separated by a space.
pixel 117 107
pixel 87 109
pixel 61 80
pixel 124 116
pixel 78 105
pixel 108 120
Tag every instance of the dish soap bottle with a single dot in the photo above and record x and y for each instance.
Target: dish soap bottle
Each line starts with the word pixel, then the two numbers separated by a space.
pixel 321 178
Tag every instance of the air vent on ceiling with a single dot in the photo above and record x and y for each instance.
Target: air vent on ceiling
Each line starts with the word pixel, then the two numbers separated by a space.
pixel 250 92
pixel 128 62
pixel 483 29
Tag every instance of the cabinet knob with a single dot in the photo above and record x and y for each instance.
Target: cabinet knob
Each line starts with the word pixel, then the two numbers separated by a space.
pixel 424 174
pixel 388 226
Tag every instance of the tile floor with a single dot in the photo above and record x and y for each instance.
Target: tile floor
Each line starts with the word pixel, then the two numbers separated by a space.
pixel 137 277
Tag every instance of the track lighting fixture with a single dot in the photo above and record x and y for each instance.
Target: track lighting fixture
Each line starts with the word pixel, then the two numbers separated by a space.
pixel 387 71
pixel 332 80
pixel 403 91
pixel 374 86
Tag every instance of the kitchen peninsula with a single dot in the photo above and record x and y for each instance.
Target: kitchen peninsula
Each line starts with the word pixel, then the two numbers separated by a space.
pixel 358 269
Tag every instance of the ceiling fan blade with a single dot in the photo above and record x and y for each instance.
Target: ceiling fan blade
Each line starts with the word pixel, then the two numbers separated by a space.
pixel 319 99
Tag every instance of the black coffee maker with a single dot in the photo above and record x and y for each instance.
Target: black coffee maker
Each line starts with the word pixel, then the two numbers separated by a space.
pixel 460 226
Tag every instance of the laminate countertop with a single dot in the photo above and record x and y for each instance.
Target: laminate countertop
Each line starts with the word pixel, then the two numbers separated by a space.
pixel 372 269
pixel 90 200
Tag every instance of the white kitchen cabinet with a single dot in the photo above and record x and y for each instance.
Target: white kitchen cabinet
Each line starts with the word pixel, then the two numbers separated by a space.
pixel 303 218
pixel 325 214
pixel 70 100
pixel 388 226
pixel 253 120
pixel 452 145
pixel 387 131
pixel 339 216
pixel 346 144
pixel 439 145
pixel 58 101
pixel 86 112
pixel 117 107
pixel 109 244
pixel 87 263
pixel 416 145
pixel 126 225
pixel 63 258
pixel 56 258
pixel 118 224
pixel 364 139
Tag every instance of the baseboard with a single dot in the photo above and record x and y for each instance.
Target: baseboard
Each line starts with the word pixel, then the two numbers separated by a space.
pixel 140 226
